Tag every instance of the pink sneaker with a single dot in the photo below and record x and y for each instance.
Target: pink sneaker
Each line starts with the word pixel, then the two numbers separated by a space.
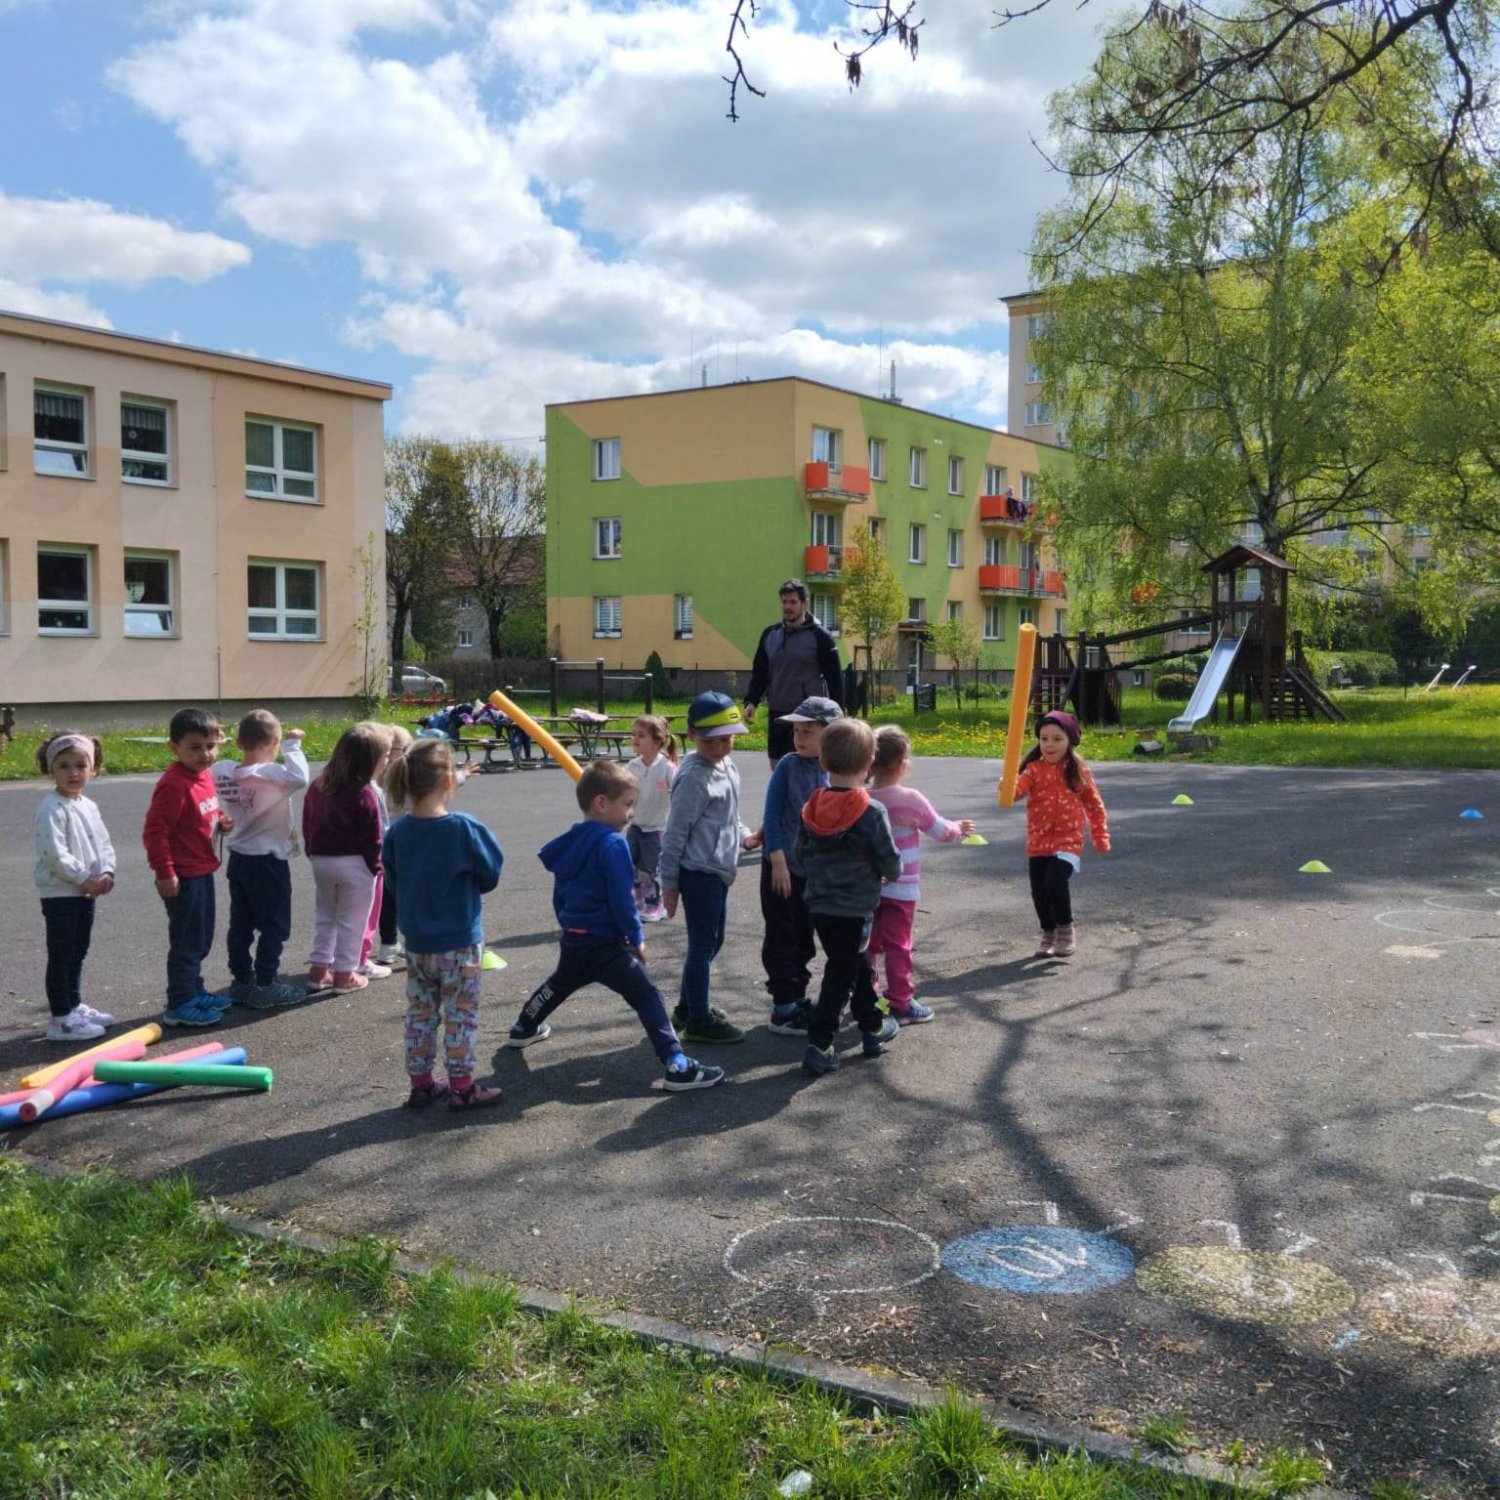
pixel 319 977
pixel 1065 943
pixel 346 983
pixel 1044 944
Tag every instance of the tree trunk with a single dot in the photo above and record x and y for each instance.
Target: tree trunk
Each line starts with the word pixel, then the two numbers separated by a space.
pixel 400 613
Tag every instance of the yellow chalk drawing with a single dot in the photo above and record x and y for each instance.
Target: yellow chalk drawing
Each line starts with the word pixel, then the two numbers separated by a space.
pixel 1249 1286
pixel 1452 1315
pixel 1495 1206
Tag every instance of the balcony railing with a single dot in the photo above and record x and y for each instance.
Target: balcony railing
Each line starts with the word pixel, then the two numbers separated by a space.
pixel 825 481
pixel 1004 510
pixel 822 560
pixel 1053 583
pixel 997 578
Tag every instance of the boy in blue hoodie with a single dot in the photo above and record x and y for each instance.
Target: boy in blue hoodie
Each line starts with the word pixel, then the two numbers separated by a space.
pixel 593 895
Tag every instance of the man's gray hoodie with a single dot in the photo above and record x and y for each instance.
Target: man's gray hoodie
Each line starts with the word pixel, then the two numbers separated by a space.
pixel 846 851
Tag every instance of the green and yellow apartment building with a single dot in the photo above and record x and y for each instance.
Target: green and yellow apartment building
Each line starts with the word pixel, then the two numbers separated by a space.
pixel 672 519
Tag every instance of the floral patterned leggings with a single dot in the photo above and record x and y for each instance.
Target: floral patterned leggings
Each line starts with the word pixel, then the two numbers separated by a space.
pixel 442 989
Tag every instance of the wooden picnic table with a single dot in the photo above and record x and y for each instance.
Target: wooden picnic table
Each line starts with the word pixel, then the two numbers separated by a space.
pixel 588 734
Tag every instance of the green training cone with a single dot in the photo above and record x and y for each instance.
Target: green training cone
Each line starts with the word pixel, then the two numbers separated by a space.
pixel 974 838
pixel 492 960
pixel 1314 867
pixel 1182 800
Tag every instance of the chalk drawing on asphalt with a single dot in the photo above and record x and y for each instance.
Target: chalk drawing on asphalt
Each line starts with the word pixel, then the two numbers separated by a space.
pixel 1245 1286
pixel 1032 1259
pixel 1452 1315
pixel 1443 921
pixel 1454 1187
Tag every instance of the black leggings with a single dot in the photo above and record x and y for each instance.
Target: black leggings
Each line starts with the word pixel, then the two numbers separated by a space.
pixel 1049 891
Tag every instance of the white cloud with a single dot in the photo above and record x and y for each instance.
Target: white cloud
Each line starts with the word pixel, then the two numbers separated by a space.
pixel 45 240
pixel 68 307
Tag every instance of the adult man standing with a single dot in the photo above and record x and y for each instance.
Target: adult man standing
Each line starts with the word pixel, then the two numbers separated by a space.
pixel 796 659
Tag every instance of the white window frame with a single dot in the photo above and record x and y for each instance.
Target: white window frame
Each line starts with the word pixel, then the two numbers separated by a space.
pixel 828 448
pixel 682 617
pixel 994 551
pixel 1026 615
pixel 165 612
pixel 1060 622
pixel 825 610
pixel 955 475
pixel 917 468
pixel 1036 325
pixel 56 445
pixel 996 479
pixel 916 608
pixel 606 459
pixel 827 529
pixel 877 458
pixel 1031 557
pixel 281 610
pixel 465 640
pixel 875 525
pixel 609 617
pixel 1033 374
pixel 1038 413
pixel 86 606
pixel 277 470
pixel 994 622
pixel 954 610
pixel 916 542
pixel 1028 487
pixel 141 456
pixel 955 548
pixel 608 543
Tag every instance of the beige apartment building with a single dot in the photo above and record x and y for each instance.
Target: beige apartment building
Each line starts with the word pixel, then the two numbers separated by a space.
pixel 179 526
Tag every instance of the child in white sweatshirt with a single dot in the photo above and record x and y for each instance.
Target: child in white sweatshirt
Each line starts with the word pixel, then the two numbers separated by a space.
pixel 75 864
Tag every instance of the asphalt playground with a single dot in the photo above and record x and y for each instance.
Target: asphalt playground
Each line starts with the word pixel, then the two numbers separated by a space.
pixel 1239 1158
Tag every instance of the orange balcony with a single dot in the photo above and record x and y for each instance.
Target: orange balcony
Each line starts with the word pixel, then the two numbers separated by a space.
pixel 1003 510
pixel 997 578
pixel 822 561
pixel 1052 583
pixel 826 481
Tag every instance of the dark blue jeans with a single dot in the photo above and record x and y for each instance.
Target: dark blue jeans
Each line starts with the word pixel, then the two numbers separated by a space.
pixel 190 937
pixel 587 958
pixel 70 923
pixel 847 978
pixel 705 907
pixel 260 900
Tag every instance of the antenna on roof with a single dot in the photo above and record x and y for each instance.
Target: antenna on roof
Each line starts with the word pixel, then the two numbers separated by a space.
pixel 704 381
pixel 893 397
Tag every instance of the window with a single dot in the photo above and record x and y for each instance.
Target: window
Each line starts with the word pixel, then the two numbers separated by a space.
pixel 1031 555
pixel 607 617
pixel 916 543
pixel 1060 622
pixel 955 476
pixel 148 594
pixel 955 609
pixel 994 623
pixel 996 481
pixel 62 431
pixel 825 612
pixel 994 551
pixel 877 458
pixel 1028 488
pixel 607 538
pixel 280 460
pixel 827 447
pixel 919 468
pixel 1038 413
pixel 1138 677
pixel 64 591
pixel 682 617
pixel 827 529
pixel 876 527
pixel 1027 615
pixel 145 443
pixel 607 458
pixel 1033 374
pixel 1199 629
pixel 284 601
pixel 955 549
pixel 916 609
pixel 465 640
pixel 1036 326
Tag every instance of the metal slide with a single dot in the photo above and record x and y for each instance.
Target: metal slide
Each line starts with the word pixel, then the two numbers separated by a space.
pixel 1209 683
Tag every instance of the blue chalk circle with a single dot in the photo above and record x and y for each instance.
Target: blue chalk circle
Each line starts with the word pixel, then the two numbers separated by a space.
pixel 1038 1258
pixel 1471 812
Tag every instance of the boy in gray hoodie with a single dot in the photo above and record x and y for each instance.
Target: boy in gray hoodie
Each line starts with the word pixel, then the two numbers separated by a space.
pixel 847 853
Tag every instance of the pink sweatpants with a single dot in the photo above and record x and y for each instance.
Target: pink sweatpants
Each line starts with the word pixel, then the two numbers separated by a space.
pixel 890 935
pixel 372 926
pixel 342 892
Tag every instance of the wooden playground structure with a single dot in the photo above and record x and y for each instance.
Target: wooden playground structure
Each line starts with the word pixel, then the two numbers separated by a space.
pixel 1250 622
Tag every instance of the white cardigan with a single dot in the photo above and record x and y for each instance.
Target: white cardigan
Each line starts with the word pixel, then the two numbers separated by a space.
pixel 72 845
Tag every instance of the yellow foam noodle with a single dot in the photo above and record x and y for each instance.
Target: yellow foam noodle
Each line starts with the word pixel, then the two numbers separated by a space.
pixel 1020 703
pixel 520 717
pixel 148 1033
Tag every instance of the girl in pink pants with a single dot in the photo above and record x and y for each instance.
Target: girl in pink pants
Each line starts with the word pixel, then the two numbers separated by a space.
pixel 911 815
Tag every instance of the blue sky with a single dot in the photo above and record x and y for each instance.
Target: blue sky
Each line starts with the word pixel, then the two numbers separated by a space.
pixel 497 205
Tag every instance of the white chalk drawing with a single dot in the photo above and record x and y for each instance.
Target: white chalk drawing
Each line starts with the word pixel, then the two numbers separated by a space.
pixel 1444 921
pixel 1448 1188
pixel 1448 1041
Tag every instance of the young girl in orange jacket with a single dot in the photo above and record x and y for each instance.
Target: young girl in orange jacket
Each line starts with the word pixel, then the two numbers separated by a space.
pixel 1061 800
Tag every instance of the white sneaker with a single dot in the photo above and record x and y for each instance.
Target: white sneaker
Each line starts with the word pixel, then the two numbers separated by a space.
pixel 98 1017
pixel 372 970
pixel 73 1028
pixel 388 953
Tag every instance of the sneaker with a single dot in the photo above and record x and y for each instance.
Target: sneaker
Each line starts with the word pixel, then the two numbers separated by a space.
pixel 817 1061
pixel 1044 942
pixel 73 1028
pixel 389 953
pixel 98 1017
pixel 220 1002
pixel 319 978
pixel 717 1028
pixel 789 1020
pixel 476 1096
pixel 373 970
pixel 679 1018
pixel 910 1015
pixel 875 1042
pixel 236 992
pixel 274 996
pixel 521 1037
pixel 194 1012
pixel 654 914
pixel 693 1075
pixel 1065 942
pixel 347 983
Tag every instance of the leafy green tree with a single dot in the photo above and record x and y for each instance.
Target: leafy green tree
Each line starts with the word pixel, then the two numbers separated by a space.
pixel 873 601
pixel 423 504
pixel 958 640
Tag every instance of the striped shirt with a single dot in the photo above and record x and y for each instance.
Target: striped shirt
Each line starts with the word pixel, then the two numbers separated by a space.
pixel 911 815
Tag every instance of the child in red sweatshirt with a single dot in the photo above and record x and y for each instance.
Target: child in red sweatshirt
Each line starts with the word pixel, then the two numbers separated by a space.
pixel 1061 800
pixel 179 837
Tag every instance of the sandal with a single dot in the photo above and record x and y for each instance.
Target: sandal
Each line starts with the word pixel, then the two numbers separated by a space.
pixel 476 1096
pixel 423 1094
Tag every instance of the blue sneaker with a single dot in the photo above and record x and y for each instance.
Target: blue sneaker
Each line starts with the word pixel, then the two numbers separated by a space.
pixel 875 1042
pixel 911 1015
pixel 220 1002
pixel 817 1061
pixel 692 1075
pixel 198 1011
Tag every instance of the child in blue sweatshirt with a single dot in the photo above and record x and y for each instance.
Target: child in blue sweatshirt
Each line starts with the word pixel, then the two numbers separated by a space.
pixel 593 895
pixel 439 865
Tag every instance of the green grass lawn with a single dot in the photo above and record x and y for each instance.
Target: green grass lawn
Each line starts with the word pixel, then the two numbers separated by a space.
pixel 151 1353
pixel 1387 727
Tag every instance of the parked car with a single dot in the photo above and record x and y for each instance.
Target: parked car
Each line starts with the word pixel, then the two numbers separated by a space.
pixel 419 684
